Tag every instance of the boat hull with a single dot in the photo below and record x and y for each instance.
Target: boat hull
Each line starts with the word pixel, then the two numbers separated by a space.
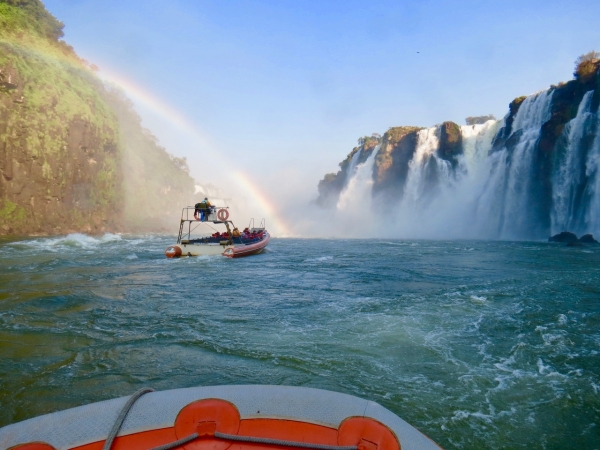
pixel 238 251
pixel 285 413
pixel 214 249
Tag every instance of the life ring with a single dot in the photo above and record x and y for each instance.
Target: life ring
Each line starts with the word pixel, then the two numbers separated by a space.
pixel 223 214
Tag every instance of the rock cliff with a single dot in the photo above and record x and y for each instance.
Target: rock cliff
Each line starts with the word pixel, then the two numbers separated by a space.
pixel 67 143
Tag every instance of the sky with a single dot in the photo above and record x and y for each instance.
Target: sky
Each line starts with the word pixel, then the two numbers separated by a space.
pixel 282 89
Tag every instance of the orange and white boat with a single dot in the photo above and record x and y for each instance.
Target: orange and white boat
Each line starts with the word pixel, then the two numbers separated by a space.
pixel 220 418
pixel 228 243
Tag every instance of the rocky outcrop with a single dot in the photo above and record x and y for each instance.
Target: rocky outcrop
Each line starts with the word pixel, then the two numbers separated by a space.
pixel 588 239
pixel 450 142
pixel 391 162
pixel 570 239
pixel 564 237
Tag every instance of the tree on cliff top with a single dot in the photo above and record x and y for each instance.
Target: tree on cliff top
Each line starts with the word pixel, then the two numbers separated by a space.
pixel 478 120
pixel 586 66
pixel 51 27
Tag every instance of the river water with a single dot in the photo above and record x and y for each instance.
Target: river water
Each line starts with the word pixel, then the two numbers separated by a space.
pixel 478 344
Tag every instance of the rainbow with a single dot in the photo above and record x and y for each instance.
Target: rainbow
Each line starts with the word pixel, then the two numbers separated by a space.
pixel 244 181
pixel 181 122
pixel 174 117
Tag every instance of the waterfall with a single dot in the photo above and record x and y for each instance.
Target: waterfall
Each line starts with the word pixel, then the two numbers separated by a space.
pixel 439 200
pixel 508 179
pixel 515 219
pixel 424 167
pixel 352 167
pixel 357 192
pixel 592 219
pixel 568 177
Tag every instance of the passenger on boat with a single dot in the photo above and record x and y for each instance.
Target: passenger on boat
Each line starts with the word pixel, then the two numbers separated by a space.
pixel 236 233
pixel 202 210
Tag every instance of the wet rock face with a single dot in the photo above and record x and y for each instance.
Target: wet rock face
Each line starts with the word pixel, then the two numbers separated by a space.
pixel 391 162
pixel 450 142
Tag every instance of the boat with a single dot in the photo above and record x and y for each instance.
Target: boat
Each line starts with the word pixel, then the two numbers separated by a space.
pixel 252 241
pixel 220 418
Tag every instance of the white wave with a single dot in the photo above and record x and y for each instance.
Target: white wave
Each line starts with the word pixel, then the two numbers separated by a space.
pixel 562 319
pixel 74 240
pixel 319 259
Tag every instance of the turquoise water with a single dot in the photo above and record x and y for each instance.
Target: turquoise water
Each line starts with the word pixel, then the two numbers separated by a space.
pixel 477 344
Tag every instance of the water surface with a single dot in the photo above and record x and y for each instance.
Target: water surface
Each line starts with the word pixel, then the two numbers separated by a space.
pixel 477 344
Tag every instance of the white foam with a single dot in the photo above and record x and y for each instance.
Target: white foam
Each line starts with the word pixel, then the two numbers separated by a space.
pixel 319 259
pixel 562 319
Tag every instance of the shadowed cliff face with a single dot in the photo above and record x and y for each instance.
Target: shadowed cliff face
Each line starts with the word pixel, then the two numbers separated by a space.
pixel 534 173
pixel 73 154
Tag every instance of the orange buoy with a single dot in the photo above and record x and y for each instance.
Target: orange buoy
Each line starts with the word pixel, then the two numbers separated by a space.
pixel 223 215
pixel 173 251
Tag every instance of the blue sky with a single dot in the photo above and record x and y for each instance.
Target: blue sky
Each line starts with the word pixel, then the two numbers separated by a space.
pixel 285 88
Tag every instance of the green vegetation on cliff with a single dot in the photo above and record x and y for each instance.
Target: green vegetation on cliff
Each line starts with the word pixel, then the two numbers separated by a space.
pixel 58 138
pixel 69 155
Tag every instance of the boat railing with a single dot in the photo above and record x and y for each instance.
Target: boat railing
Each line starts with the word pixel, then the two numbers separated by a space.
pixel 188 214
pixel 189 217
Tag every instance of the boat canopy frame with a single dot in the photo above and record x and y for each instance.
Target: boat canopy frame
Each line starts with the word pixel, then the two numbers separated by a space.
pixel 212 217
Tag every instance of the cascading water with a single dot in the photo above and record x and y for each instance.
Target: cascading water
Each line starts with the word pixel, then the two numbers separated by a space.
pixel 352 167
pixel 358 185
pixel 568 176
pixel 423 168
pixel 438 199
pixel 520 178
pixel 354 204
pixel 515 222
pixel 592 218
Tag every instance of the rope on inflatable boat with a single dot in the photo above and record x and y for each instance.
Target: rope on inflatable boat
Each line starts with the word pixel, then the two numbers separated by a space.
pixel 121 417
pixel 229 437
pixel 259 440
pixel 176 444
